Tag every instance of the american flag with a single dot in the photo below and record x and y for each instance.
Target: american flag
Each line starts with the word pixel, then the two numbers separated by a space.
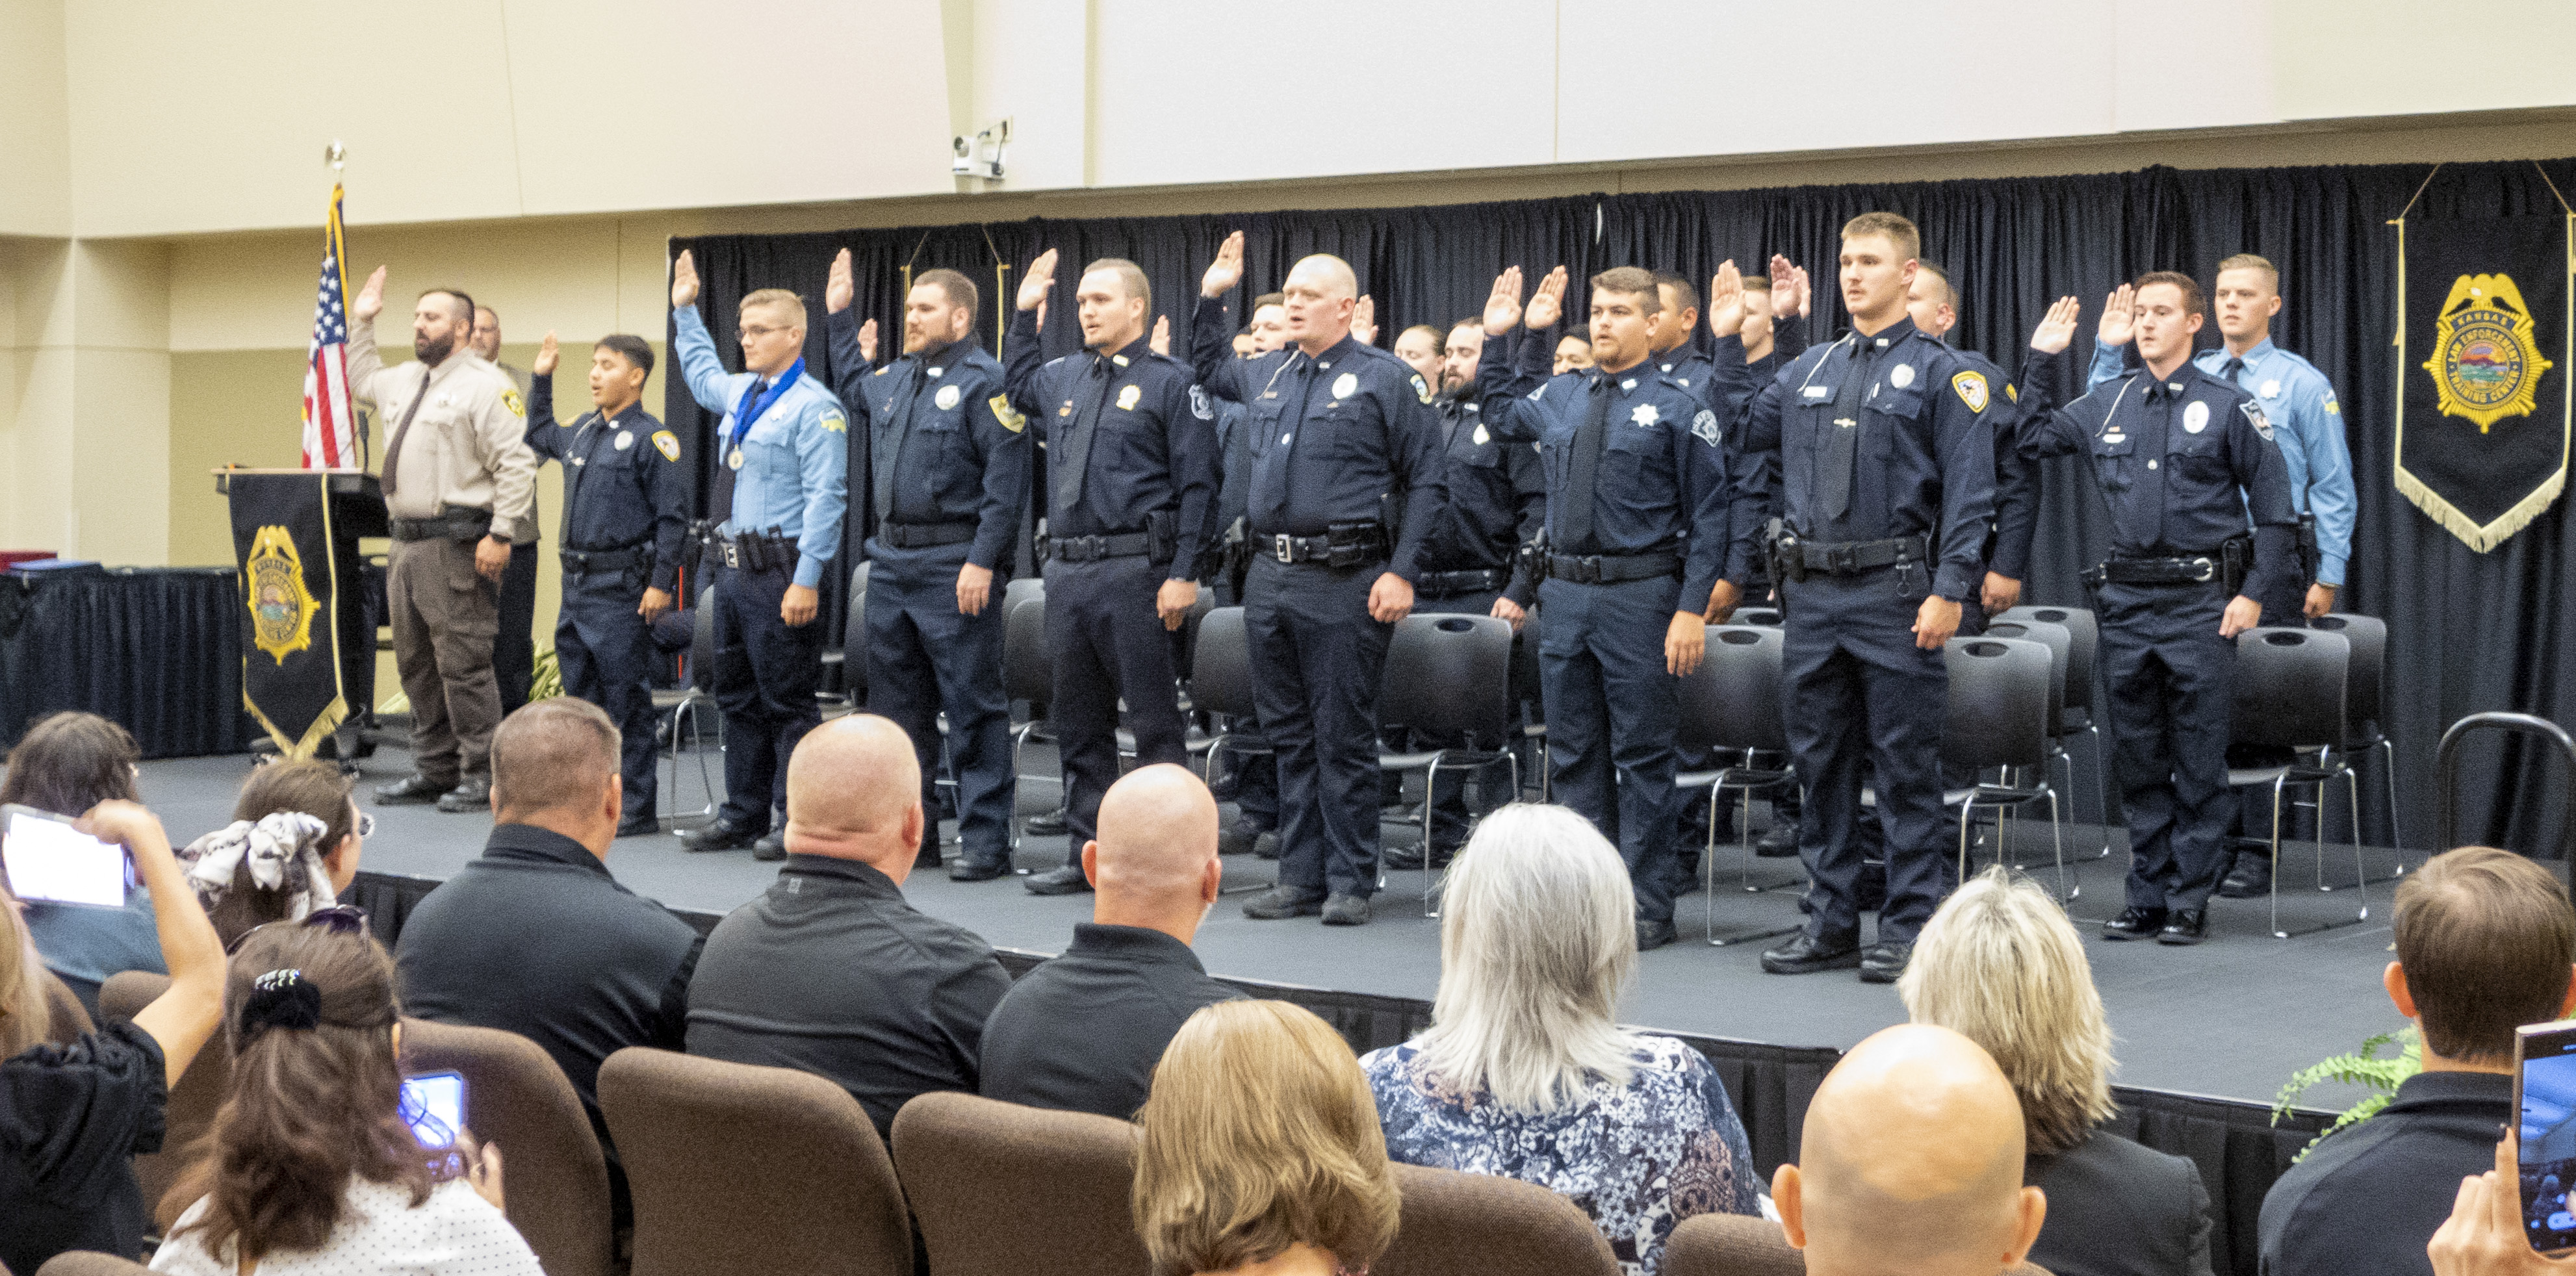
pixel 328 441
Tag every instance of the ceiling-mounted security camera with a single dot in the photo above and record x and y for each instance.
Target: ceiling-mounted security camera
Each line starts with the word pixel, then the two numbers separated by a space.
pixel 980 156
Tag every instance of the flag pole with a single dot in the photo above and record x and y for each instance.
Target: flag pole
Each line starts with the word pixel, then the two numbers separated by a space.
pixel 337 156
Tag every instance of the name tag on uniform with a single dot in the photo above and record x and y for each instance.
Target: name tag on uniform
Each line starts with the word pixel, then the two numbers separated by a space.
pixel 1816 391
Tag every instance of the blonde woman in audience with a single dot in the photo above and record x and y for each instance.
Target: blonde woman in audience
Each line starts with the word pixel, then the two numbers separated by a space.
pixel 1523 1073
pixel 2000 965
pixel 1261 1153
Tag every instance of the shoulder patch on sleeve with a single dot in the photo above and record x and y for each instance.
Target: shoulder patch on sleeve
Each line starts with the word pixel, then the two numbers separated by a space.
pixel 1002 411
pixel 1199 405
pixel 1704 427
pixel 1972 390
pixel 666 443
pixel 510 399
pixel 2333 408
pixel 1421 388
pixel 834 421
pixel 2254 414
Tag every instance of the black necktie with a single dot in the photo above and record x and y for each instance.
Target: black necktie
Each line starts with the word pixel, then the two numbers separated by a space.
pixel 1077 442
pixel 2158 450
pixel 720 501
pixel 1270 501
pixel 1583 471
pixel 888 457
pixel 1842 436
pixel 393 450
pixel 2233 366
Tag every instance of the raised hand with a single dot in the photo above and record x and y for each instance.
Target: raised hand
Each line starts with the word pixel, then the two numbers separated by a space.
pixel 1784 288
pixel 684 281
pixel 1805 297
pixel 1726 300
pixel 1548 305
pixel 1161 343
pixel 1038 281
pixel 1364 321
pixel 2056 331
pixel 840 290
pixel 1227 270
pixel 371 298
pixel 547 354
pixel 2119 317
pixel 868 341
pixel 1503 308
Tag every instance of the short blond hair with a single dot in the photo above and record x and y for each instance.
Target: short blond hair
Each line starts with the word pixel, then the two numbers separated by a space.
pixel 2000 965
pixel 1260 1133
pixel 2249 261
pixel 1899 231
pixel 779 297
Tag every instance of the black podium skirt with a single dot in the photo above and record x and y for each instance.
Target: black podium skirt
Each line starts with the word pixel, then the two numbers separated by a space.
pixel 157 649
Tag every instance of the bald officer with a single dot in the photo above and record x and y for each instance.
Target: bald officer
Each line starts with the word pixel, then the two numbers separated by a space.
pixel 458 480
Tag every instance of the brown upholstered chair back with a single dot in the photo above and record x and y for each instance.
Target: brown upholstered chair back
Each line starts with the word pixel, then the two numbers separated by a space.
pixel 82 1263
pixel 65 1020
pixel 739 1170
pixel 1478 1225
pixel 516 1097
pixel 193 1101
pixel 1734 1245
pixel 1003 1190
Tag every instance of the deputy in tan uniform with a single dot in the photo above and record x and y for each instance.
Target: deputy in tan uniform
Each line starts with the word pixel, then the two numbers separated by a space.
pixel 458 479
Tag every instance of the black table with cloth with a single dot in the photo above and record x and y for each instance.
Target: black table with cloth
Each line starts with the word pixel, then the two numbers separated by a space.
pixel 157 649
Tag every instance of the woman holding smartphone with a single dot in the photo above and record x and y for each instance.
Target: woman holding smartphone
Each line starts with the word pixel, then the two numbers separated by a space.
pixel 311 1167
pixel 72 1117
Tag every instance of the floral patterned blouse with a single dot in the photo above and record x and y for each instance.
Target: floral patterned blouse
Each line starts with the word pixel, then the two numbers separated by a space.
pixel 1637 1158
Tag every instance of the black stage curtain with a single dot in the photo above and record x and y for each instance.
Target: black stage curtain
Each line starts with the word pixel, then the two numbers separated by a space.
pixel 2467 631
pixel 156 649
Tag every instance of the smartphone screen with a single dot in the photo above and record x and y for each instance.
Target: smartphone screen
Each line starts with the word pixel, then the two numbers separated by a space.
pixel 2544 1099
pixel 47 859
pixel 433 1104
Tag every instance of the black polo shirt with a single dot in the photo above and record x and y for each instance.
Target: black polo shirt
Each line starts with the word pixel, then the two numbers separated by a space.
pixel 2369 1198
pixel 1084 1031
pixel 833 973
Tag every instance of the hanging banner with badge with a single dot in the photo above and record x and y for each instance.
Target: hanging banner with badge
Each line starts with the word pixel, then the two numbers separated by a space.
pixel 2486 343
pixel 291 638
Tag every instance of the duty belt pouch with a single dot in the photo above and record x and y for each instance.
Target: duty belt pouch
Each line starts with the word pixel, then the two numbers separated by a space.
pixel 1162 537
pixel 1788 561
pixel 2235 559
pixel 2310 558
pixel 463 523
pixel 1350 545
pixel 2093 577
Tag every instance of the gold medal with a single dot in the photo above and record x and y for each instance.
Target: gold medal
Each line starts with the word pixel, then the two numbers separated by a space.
pixel 735 459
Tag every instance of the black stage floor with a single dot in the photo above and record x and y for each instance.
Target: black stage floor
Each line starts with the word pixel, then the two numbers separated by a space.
pixel 2230 1018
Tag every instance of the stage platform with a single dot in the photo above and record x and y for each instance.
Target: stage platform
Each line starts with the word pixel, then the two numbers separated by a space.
pixel 2229 1019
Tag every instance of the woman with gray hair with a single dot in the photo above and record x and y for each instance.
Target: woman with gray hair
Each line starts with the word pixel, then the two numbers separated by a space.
pixel 1523 1074
pixel 2000 965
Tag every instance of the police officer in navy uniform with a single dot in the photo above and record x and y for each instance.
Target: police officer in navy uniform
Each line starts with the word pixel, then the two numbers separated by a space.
pixel 1887 478
pixel 1640 549
pixel 1131 501
pixel 626 515
pixel 1932 302
pixel 781 487
pixel 948 470
pixel 2183 458
pixel 1345 487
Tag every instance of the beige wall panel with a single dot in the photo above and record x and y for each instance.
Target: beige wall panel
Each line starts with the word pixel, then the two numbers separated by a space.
pixel 2340 58
pixel 120 473
pixel 35 120
pixel 1032 65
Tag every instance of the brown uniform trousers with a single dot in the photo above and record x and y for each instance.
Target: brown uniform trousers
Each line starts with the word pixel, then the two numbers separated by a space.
pixel 445 617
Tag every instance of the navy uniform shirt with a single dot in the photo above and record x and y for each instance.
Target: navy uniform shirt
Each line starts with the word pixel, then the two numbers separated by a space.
pixel 795 459
pixel 1497 499
pixel 944 443
pixel 1662 484
pixel 1925 464
pixel 623 481
pixel 1342 437
pixel 1152 449
pixel 2181 464
pixel 2016 521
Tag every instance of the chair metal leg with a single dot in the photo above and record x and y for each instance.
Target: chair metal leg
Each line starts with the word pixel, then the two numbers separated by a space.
pixel 2279 785
pixel 2396 828
pixel 1430 872
pixel 2361 875
pixel 2057 833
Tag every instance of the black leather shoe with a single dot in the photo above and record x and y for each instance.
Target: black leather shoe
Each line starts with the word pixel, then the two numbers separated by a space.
pixel 2134 923
pixel 414 789
pixel 468 795
pixel 966 870
pixel 1067 880
pixel 1280 902
pixel 640 826
pixel 771 846
pixel 720 836
pixel 1048 824
pixel 1779 842
pixel 1807 954
pixel 1409 858
pixel 2184 926
pixel 2251 878
pixel 1884 962
pixel 1652 935
pixel 1346 910
pixel 1237 838
pixel 1266 846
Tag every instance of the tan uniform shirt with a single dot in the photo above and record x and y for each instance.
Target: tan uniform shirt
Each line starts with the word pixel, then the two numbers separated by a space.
pixel 467 446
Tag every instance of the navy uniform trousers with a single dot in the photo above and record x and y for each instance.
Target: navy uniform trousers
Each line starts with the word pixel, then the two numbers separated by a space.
pixel 604 650
pixel 1317 662
pixel 1449 810
pixel 1860 693
pixel 1109 645
pixel 1612 711
pixel 925 658
pixel 766 674
pixel 2172 679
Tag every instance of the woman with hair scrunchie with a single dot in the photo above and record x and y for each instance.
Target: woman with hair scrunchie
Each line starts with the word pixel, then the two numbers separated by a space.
pixel 253 872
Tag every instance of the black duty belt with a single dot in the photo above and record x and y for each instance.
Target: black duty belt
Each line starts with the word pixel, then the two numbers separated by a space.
pixel 754 551
pixel 2161 571
pixel 924 535
pixel 1086 549
pixel 1848 558
pixel 453 525
pixel 1612 569
pixel 1451 584
pixel 581 561
pixel 1344 549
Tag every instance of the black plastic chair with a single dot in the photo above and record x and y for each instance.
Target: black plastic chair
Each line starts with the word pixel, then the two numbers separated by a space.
pixel 1448 677
pixel 1533 702
pixel 1998 719
pixel 2290 694
pixel 1732 705
pixel 681 706
pixel 2364 714
pixel 2075 717
pixel 1221 687
pixel 1761 617
pixel 2060 642
pixel 854 643
pixel 1028 668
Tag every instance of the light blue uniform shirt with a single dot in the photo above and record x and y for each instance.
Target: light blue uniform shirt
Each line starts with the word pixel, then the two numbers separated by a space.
pixel 795 473
pixel 2308 427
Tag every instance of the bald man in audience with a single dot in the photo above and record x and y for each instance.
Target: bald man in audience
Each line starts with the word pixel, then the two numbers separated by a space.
pixel 1084 1031
pixel 832 971
pixel 1911 1164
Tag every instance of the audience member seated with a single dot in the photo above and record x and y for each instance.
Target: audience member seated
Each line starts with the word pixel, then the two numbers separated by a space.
pixel 2000 965
pixel 2486 942
pixel 536 937
pixel 311 1168
pixel 66 764
pixel 292 848
pixel 1083 1031
pixel 1525 1074
pixel 1910 1163
pixel 831 971
pixel 2485 1236
pixel 73 1117
pixel 1260 1150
